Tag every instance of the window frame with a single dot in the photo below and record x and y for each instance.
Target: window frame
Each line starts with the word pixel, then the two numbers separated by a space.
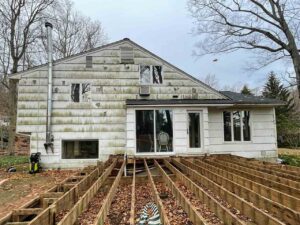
pixel 79 140
pixel 80 92
pixel 154 129
pixel 151 75
pixel 241 128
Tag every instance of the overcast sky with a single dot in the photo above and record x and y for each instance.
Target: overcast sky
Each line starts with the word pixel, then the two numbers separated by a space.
pixel 164 27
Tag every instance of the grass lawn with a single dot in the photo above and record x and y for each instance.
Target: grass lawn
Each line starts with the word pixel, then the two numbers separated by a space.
pixel 6 161
pixel 292 160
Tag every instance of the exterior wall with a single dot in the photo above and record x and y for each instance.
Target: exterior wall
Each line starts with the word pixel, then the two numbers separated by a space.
pixel 104 118
pixel 263 142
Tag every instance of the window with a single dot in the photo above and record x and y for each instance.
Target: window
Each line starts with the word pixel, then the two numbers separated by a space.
pixel 154 131
pixel 145 77
pixel 151 74
pixel 89 62
pixel 227 126
pixel 237 126
pixel 81 92
pixel 81 149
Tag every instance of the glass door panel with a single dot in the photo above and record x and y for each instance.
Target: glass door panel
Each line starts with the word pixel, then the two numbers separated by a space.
pixel 164 130
pixel 194 130
pixel 145 131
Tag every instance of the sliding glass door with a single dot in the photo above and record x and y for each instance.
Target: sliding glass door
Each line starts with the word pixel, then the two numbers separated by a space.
pixel 154 131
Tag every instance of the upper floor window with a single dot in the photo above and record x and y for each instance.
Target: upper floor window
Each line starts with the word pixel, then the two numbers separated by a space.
pixel 237 126
pixel 150 74
pixel 89 61
pixel 81 92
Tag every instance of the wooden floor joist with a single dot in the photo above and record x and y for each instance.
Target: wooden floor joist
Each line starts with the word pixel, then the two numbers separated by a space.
pixel 276 167
pixel 272 194
pixel 221 212
pixel 281 212
pixel 267 169
pixel 251 176
pixel 69 198
pixel 160 206
pixel 249 210
pixel 101 216
pixel 71 217
pixel 132 212
pixel 292 181
pixel 191 210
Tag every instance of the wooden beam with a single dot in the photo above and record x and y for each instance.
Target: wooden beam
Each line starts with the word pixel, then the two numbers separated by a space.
pixel 276 167
pixel 251 176
pixel 213 204
pixel 101 216
pixel 279 211
pixel 132 213
pixel 26 211
pixel 71 217
pixel 192 212
pixel 292 181
pixel 160 206
pixel 51 194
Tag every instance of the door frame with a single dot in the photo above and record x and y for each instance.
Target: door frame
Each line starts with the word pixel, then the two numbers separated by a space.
pixel 195 150
pixel 155 144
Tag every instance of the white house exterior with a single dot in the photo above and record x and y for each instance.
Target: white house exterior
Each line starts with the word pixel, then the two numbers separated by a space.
pixel 120 98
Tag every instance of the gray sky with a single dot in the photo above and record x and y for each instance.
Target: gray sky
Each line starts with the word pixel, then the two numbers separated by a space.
pixel 164 27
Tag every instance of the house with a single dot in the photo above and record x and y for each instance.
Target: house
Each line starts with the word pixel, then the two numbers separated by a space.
pixel 121 98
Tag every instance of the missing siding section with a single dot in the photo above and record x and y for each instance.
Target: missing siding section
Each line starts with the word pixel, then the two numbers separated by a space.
pixel 127 56
pixel 89 62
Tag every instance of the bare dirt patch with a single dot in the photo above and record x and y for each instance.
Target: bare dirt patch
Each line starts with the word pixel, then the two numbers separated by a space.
pixel 19 187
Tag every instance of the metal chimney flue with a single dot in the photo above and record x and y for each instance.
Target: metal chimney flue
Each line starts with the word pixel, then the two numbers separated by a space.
pixel 49 137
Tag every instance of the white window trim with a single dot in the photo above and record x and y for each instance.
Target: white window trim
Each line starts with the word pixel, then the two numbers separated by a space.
pixel 151 75
pixel 80 92
pixel 242 125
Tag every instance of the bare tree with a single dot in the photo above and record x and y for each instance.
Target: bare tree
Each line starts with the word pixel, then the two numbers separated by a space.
pixel 72 31
pixel 19 29
pixel 211 80
pixel 268 26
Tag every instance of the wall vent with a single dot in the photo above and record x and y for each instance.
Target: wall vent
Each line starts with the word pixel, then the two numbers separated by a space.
pixel 127 56
pixel 144 90
pixel 89 62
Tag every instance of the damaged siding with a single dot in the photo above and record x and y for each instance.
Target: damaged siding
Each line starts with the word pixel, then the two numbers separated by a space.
pixel 104 117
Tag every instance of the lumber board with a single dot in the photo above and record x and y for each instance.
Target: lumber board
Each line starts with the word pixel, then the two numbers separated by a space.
pixel 279 211
pixel 187 206
pixel 249 210
pixel 71 217
pixel 132 213
pixel 213 204
pixel 101 216
pixel 162 211
pixel 272 194
pixel 65 202
pixel 283 178
pixel 277 167
pixel 269 183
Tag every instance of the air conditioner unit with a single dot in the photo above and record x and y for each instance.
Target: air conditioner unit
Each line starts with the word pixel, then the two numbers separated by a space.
pixel 144 90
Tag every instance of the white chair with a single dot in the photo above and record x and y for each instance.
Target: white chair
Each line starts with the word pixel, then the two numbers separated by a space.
pixel 163 140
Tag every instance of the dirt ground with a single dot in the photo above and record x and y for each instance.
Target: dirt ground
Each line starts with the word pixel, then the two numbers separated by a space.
pixel 19 187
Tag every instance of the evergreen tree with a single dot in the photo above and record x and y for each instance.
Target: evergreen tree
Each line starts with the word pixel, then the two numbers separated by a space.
pixel 287 120
pixel 246 91
pixel 275 89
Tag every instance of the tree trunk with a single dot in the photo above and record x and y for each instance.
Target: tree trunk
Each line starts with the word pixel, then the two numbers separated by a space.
pixel 296 62
pixel 13 114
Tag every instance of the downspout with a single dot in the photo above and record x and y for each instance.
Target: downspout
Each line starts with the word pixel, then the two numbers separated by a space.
pixel 49 137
